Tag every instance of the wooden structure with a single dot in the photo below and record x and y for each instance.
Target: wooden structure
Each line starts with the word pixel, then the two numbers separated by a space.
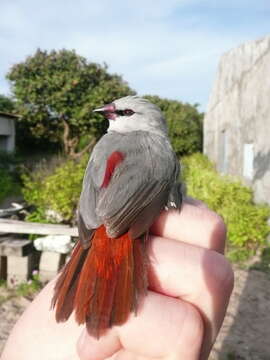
pixel 18 257
pixel 23 227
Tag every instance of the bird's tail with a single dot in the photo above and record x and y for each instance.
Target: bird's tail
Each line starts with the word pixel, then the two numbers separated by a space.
pixel 102 284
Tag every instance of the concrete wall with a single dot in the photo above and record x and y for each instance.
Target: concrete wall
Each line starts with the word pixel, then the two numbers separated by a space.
pixel 7 133
pixel 237 122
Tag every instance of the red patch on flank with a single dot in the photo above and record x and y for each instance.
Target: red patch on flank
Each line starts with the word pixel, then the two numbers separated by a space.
pixel 112 162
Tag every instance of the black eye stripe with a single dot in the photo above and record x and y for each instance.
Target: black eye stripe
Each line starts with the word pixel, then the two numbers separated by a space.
pixel 126 112
pixel 120 112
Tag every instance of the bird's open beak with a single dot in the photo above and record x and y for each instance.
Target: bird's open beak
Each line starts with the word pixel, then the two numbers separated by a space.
pixel 108 111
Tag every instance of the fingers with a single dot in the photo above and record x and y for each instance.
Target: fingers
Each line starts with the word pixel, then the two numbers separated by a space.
pixel 200 276
pixel 165 327
pixel 182 265
pixel 188 268
pixel 175 325
pixel 98 349
pixel 194 224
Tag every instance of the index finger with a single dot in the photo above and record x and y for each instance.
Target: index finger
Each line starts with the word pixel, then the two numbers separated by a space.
pixel 193 224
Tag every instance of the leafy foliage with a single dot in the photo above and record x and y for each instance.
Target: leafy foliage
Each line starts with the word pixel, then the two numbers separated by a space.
pixel 58 191
pixel 7 159
pixel 246 221
pixel 9 180
pixel 6 104
pixel 6 184
pixel 184 124
pixel 9 183
pixel 56 92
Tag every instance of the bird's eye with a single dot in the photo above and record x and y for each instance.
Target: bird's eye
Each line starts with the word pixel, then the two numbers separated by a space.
pixel 128 112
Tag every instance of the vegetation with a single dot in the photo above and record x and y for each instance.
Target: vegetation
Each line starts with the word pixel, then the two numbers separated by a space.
pixel 5 184
pixel 8 184
pixel 6 104
pixel 55 94
pixel 247 222
pixel 184 124
pixel 263 263
pixel 31 287
pixel 58 191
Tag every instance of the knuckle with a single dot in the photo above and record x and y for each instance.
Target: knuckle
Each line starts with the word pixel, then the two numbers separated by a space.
pixel 192 333
pixel 220 273
pixel 217 232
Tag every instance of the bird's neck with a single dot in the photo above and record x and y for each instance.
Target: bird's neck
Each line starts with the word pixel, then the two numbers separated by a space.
pixel 115 127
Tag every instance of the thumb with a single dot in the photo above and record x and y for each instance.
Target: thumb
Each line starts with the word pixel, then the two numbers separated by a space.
pixel 89 348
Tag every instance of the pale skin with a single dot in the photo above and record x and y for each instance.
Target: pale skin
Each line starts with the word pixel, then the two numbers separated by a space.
pixel 190 286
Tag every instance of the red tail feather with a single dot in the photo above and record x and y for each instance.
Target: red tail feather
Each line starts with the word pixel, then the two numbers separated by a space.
pixel 102 284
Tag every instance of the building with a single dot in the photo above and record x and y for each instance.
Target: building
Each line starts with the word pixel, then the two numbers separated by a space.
pixel 237 121
pixel 7 132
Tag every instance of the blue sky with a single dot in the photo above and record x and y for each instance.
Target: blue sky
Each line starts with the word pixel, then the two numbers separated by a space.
pixel 169 48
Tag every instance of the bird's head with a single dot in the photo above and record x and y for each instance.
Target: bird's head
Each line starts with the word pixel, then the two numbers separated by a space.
pixel 133 113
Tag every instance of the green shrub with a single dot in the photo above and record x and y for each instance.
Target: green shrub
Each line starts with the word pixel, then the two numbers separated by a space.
pixel 5 184
pixel 7 160
pixel 184 124
pixel 8 184
pixel 58 191
pixel 246 221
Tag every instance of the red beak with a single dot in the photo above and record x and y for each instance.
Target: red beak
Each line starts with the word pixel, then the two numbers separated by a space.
pixel 108 111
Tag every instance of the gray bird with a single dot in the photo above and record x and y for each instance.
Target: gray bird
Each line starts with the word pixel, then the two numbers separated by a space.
pixel 132 175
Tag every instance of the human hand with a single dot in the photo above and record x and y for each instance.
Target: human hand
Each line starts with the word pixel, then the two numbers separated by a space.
pixel 190 286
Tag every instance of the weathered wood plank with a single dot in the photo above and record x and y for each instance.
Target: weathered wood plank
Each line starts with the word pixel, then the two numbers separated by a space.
pixel 23 227
pixel 11 211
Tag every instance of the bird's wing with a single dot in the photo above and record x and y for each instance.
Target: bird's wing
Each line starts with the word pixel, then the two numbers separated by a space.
pixel 87 218
pixel 138 187
pixel 86 215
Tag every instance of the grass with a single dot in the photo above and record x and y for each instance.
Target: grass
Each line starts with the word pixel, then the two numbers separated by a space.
pixel 30 288
pixel 26 289
pixel 264 263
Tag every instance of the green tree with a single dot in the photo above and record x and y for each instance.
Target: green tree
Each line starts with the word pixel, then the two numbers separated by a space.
pixel 56 92
pixel 184 124
pixel 6 104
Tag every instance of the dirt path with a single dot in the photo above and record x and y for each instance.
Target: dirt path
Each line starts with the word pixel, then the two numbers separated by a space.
pixel 245 334
pixel 11 307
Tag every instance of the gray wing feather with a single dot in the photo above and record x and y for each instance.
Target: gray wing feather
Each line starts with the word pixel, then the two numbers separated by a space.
pixel 88 200
pixel 139 189
pixel 87 218
pixel 143 179
pixel 85 234
pixel 152 196
pixel 140 225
